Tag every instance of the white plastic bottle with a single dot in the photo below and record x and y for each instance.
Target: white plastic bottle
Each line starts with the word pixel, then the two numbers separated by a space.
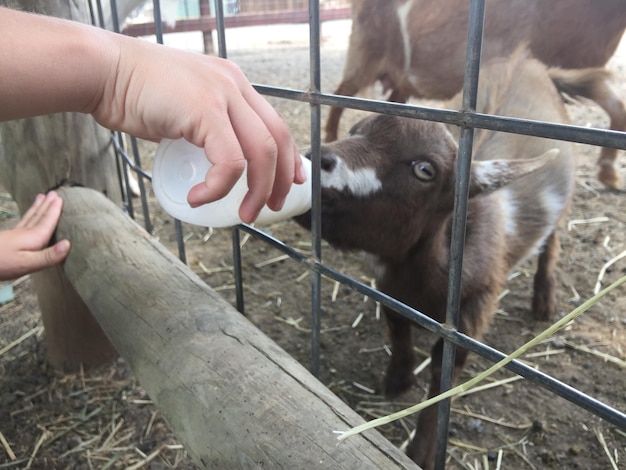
pixel 179 165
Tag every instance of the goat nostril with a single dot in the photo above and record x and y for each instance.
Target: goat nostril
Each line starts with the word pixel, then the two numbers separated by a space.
pixel 328 162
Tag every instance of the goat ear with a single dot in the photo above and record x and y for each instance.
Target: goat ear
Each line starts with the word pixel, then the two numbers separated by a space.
pixel 489 175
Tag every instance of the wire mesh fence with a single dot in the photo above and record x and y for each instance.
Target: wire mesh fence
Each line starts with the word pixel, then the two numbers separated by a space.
pixel 468 120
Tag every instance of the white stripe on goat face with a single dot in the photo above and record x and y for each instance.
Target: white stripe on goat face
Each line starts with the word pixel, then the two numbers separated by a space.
pixel 361 182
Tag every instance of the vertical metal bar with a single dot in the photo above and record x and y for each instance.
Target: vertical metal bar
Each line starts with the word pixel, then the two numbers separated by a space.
pixel 180 242
pixel 114 16
pixel 470 87
pixel 238 271
pixel 316 222
pixel 147 222
pixel 235 236
pixel 128 193
pixel 221 34
pixel 119 167
pixel 178 226
pixel 158 23
pixel 122 173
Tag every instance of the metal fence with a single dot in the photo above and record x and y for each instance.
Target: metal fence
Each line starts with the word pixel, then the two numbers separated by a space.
pixel 467 120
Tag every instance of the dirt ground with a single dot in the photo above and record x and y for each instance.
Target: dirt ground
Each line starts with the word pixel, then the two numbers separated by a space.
pixel 103 419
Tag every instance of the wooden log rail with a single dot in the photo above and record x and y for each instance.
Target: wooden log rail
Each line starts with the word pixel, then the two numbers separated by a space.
pixel 231 395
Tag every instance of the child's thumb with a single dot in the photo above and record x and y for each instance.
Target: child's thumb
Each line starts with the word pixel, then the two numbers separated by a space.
pixel 56 253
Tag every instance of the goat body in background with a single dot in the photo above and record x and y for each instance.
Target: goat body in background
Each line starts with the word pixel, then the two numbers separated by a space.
pixel 416 48
pixel 388 189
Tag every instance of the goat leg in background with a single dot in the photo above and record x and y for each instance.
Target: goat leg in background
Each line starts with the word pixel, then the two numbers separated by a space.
pixel 595 85
pixel 346 88
pixel 605 97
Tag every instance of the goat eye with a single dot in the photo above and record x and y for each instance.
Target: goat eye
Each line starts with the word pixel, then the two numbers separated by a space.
pixel 425 171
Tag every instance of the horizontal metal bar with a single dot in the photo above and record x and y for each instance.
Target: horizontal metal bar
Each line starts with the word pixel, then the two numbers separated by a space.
pixel 568 132
pixel 572 395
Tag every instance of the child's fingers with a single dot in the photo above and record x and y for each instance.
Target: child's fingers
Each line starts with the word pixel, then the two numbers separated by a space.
pixel 46 219
pixel 44 213
pixel 32 211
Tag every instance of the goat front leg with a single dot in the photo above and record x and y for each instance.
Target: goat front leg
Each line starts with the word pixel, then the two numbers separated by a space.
pixel 545 302
pixel 422 447
pixel 399 377
pixel 345 88
pixel 604 95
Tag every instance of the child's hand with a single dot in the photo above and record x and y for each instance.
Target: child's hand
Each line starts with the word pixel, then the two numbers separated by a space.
pixel 24 249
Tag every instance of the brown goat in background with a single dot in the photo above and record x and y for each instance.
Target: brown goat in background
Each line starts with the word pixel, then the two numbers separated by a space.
pixel 416 48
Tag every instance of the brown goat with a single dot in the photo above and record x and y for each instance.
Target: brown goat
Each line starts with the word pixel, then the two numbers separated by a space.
pixel 416 48
pixel 388 189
